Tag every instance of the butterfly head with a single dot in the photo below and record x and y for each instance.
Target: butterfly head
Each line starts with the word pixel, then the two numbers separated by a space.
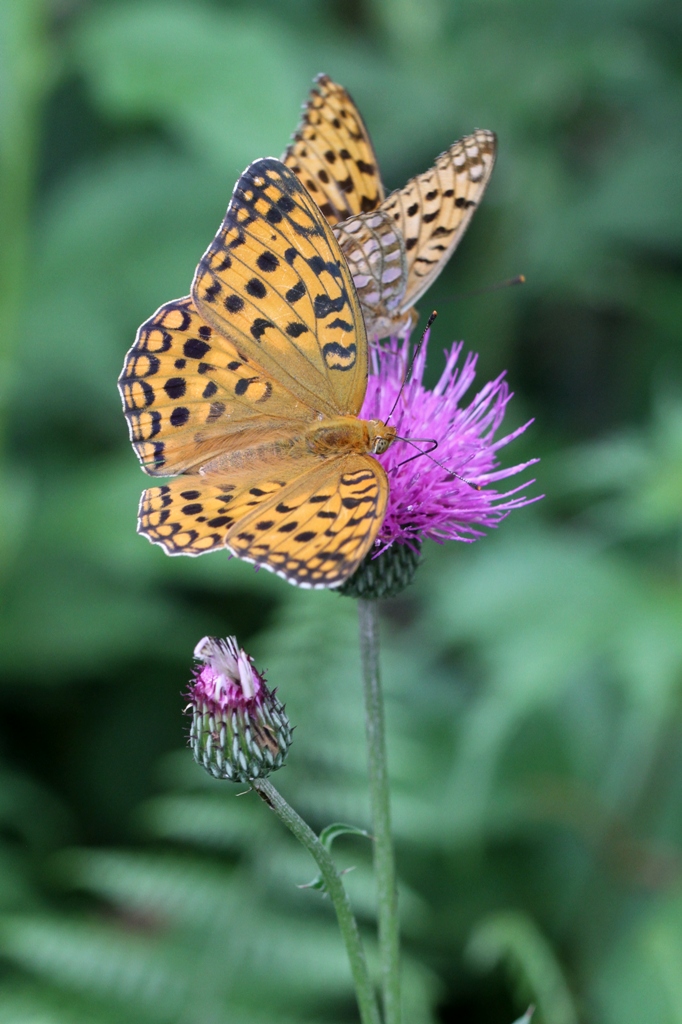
pixel 381 437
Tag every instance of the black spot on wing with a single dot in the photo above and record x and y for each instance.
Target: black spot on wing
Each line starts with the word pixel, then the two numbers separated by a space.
pixel 179 416
pixel 256 288
pixel 339 357
pixel 213 289
pixel 268 262
pixel 259 327
pixel 318 265
pixel 219 521
pixel 194 348
pixel 175 387
pixel 296 292
pixel 295 329
pixel 342 325
pixel 324 305
pixel 242 385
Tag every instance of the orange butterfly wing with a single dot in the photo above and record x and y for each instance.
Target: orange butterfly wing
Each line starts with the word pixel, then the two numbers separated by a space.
pixel 274 281
pixel 433 210
pixel 186 391
pixel 332 154
pixel 396 252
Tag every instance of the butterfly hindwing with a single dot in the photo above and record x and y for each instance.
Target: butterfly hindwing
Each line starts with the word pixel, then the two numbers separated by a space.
pixel 194 513
pixel 375 253
pixel 275 283
pixel 312 528
pixel 332 154
pixel 317 530
pixel 185 389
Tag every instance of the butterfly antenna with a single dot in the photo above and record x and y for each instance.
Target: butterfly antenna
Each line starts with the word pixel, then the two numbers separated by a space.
pixel 420 451
pixel 519 279
pixel 414 356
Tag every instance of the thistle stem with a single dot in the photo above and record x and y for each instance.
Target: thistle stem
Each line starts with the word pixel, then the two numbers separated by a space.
pixel 367 1003
pixel 384 861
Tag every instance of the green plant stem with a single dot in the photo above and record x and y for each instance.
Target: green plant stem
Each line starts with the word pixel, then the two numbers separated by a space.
pixel 384 860
pixel 367 1003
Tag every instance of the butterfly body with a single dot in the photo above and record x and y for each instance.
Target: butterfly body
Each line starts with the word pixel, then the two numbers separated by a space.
pixel 247 393
pixel 323 439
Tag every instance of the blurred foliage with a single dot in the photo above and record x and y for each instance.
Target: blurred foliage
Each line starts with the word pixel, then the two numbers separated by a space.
pixel 533 678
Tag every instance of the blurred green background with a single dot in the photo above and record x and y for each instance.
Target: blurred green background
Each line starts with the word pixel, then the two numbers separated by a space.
pixel 534 678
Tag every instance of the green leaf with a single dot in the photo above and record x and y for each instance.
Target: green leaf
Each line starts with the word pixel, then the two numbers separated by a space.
pixel 206 73
pixel 327 837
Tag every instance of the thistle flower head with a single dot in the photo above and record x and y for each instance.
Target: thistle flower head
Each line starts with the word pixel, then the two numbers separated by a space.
pixel 239 728
pixel 449 494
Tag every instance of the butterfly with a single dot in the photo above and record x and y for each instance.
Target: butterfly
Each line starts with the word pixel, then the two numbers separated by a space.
pixel 248 390
pixel 397 246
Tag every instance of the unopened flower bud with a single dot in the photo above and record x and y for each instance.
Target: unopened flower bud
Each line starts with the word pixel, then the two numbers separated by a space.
pixel 239 729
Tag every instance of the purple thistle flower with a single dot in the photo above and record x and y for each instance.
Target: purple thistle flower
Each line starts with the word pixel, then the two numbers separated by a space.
pixel 239 728
pixel 228 677
pixel 427 499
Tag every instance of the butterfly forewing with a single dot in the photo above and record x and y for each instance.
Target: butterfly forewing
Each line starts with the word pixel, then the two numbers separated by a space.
pixel 396 252
pixel 433 210
pixel 276 284
pixel 332 154
pixel 186 390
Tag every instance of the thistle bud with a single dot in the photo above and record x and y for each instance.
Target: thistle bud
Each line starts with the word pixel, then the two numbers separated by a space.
pixel 239 729
pixel 384 575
